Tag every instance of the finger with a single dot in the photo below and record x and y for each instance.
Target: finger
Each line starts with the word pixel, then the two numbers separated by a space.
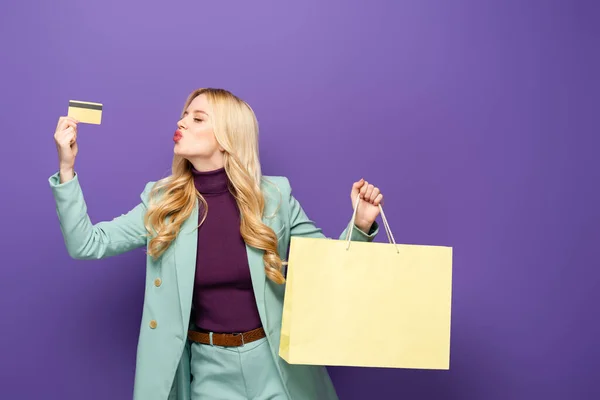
pixel 378 200
pixel 66 124
pixel 363 190
pixel 60 123
pixel 61 135
pixel 368 192
pixel 63 122
pixel 72 137
pixel 374 195
pixel 71 119
pixel 71 124
pixel 68 137
pixel 75 130
pixel 357 185
pixel 69 127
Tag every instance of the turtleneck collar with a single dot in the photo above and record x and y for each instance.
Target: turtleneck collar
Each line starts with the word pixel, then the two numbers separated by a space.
pixel 211 182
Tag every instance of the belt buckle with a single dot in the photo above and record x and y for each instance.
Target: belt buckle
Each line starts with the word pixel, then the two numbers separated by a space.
pixel 240 334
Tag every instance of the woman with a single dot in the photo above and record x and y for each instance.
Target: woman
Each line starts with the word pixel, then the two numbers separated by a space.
pixel 215 231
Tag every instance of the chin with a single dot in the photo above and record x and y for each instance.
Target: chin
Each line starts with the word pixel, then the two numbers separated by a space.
pixel 177 150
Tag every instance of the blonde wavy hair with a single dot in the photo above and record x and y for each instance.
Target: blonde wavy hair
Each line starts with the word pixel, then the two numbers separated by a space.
pixel 172 199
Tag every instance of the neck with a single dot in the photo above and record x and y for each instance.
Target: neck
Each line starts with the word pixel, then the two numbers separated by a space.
pixel 211 182
pixel 208 164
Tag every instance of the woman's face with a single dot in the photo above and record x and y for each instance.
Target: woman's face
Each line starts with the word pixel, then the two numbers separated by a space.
pixel 195 139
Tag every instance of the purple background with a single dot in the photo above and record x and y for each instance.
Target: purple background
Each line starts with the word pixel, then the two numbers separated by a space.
pixel 477 119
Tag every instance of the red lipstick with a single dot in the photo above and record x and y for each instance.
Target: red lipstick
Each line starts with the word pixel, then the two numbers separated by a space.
pixel 177 136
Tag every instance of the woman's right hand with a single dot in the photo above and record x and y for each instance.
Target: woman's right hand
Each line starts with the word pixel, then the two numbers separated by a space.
pixel 65 137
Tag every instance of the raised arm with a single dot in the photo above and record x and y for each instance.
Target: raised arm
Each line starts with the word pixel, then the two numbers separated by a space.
pixel 85 240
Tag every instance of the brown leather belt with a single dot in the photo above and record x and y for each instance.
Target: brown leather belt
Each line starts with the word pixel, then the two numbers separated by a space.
pixel 227 339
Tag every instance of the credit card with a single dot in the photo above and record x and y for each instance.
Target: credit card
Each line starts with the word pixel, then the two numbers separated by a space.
pixel 85 111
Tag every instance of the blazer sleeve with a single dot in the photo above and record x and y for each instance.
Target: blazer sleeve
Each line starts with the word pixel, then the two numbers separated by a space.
pixel 302 225
pixel 85 240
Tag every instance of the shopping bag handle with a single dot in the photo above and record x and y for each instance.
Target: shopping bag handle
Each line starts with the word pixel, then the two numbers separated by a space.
pixel 388 231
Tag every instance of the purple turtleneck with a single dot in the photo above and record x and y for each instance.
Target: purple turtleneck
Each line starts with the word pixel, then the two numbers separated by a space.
pixel 223 296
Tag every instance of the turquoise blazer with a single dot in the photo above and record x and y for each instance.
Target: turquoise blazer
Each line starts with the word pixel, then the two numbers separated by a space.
pixel 163 354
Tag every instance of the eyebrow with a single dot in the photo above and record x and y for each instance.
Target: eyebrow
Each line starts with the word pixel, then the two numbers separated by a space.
pixel 197 111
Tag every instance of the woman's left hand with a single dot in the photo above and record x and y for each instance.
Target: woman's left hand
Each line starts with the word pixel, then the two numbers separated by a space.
pixel 368 207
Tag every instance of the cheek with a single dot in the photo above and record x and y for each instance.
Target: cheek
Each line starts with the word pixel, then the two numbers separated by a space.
pixel 205 138
pixel 206 135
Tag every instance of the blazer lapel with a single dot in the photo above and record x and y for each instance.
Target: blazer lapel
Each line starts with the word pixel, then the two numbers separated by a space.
pixel 258 276
pixel 186 247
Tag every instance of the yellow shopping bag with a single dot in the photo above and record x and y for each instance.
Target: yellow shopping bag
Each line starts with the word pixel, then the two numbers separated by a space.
pixel 367 304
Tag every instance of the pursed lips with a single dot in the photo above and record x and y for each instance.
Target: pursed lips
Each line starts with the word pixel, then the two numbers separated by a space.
pixel 177 136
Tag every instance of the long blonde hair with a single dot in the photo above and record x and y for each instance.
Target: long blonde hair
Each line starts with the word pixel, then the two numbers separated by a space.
pixel 172 199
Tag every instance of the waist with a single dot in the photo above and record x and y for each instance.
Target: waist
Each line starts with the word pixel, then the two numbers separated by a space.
pixel 225 311
pixel 226 339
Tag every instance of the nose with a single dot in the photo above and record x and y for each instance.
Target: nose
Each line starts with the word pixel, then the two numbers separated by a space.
pixel 180 124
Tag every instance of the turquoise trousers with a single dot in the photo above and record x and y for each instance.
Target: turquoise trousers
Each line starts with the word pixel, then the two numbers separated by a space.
pixel 235 373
